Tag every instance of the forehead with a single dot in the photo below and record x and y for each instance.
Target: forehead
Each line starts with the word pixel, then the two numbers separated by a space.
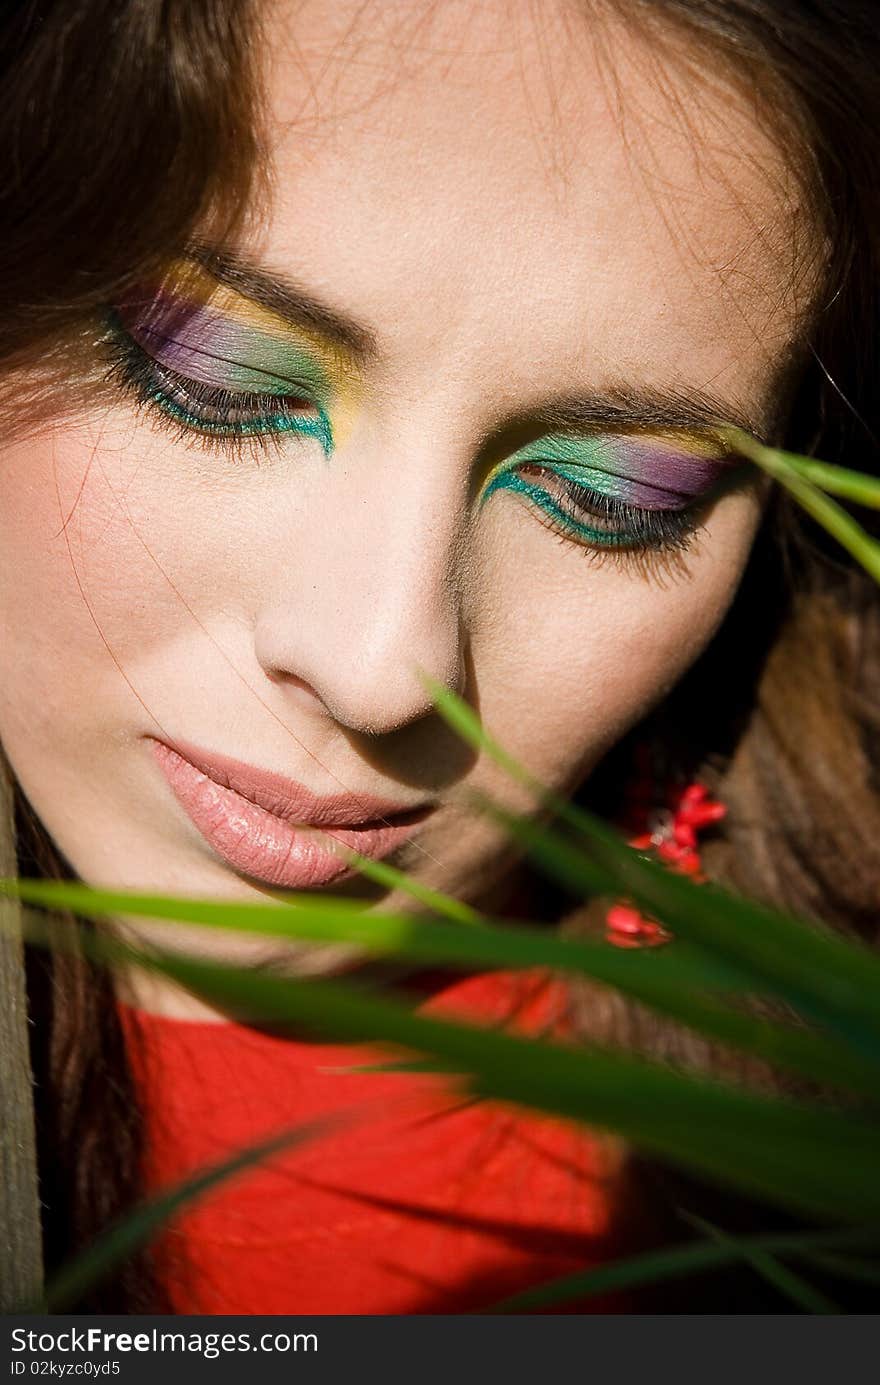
pixel 530 192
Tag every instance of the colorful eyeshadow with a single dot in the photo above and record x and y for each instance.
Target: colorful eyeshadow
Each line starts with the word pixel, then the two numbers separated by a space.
pixel 209 334
pixel 646 472
pixel 225 366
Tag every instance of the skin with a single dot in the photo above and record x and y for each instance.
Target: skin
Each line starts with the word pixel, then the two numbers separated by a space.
pixel 511 224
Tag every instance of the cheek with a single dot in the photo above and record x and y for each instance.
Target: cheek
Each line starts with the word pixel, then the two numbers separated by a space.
pixel 83 603
pixel 580 652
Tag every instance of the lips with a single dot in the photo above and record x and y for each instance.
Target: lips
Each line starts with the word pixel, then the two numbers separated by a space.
pixel 274 829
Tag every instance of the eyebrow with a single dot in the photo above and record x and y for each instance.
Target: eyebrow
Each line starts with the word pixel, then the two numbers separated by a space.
pixel 281 295
pixel 674 407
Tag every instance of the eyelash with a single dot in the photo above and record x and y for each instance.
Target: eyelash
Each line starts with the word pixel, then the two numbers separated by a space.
pixel 267 418
pixel 633 532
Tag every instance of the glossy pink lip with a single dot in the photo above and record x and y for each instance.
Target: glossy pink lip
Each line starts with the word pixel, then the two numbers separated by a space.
pixel 274 829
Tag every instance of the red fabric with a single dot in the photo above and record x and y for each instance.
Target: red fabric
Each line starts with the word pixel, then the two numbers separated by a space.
pixel 420 1201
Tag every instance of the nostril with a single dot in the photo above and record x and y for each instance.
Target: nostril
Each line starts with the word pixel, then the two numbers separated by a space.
pixel 291 682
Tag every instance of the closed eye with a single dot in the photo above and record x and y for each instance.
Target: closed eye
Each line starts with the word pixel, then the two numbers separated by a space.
pixel 213 415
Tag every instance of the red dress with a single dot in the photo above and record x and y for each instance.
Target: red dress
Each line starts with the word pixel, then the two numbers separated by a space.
pixel 419 1199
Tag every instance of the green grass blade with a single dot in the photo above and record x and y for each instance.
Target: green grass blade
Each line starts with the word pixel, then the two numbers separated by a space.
pixel 795 474
pixel 807 963
pixel 408 936
pixel 419 1065
pixel 324 919
pixel 782 1150
pixel 674 1262
pixel 666 982
pixel 849 534
pixel 115 1245
pixel 837 982
pixel 844 1266
pixel 439 903
pixel 790 1284
pixel 828 978
pixel 600 1088
pixel 858 486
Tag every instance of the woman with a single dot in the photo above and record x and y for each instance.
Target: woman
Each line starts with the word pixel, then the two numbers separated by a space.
pixel 337 338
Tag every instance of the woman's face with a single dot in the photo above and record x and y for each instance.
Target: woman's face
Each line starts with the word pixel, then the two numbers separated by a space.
pixel 513 264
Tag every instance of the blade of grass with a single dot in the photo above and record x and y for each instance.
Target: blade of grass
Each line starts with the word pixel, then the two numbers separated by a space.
pixel 858 486
pixel 614 867
pixel 788 1283
pixel 807 964
pixel 777 1149
pixel 285 918
pixel 827 978
pixel 658 982
pixel 588 1088
pixel 408 936
pixel 838 523
pixel 419 1065
pixel 845 1266
pixel 789 471
pixel 658 1266
pixel 442 904
pixel 124 1237
pixel 836 981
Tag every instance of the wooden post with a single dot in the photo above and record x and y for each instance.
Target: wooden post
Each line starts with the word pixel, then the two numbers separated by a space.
pixel 21 1261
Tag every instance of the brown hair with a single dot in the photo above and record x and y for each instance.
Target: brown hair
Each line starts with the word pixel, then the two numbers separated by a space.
pixel 129 123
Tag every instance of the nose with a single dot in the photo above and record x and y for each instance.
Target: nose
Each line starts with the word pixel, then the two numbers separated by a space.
pixel 367 592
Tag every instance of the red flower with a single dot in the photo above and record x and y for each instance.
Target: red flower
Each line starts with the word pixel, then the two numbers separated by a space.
pixel 675 843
